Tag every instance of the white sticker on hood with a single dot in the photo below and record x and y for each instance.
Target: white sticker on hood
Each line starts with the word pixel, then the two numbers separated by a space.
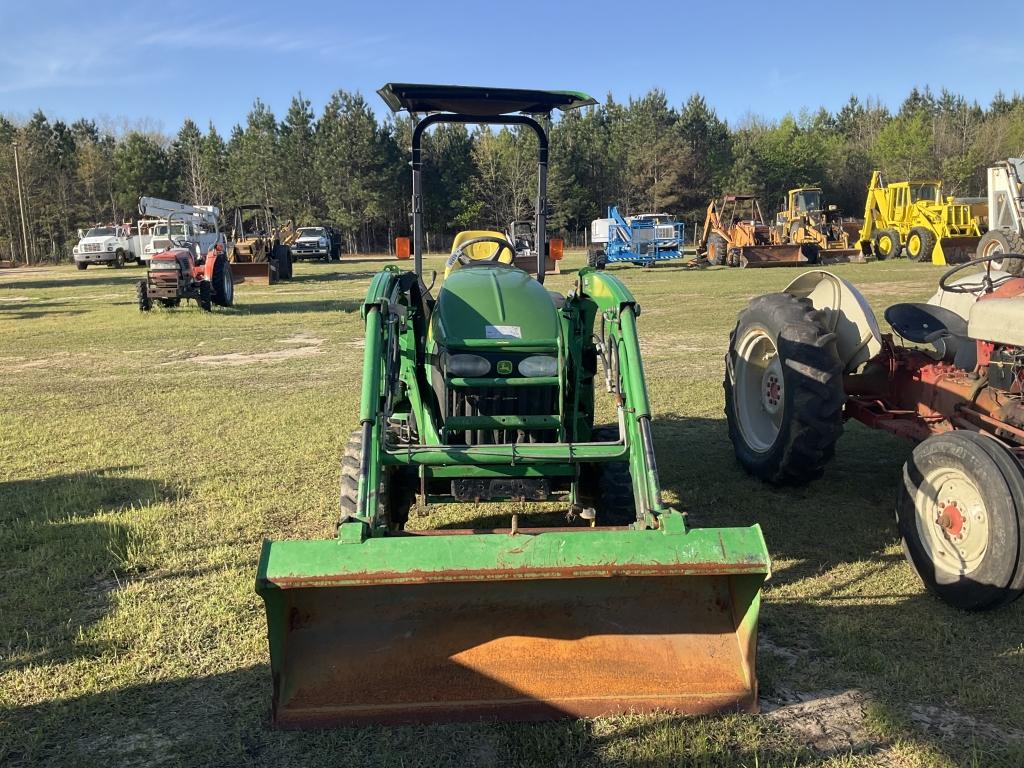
pixel 503 332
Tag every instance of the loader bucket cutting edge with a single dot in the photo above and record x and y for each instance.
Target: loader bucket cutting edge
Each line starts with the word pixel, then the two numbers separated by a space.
pixel 773 256
pixel 419 629
pixel 253 273
pixel 956 250
pixel 841 256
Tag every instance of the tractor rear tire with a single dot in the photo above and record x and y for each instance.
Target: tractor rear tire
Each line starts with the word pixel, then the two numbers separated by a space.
pixel 997 241
pixel 223 283
pixel 887 244
pixel 973 561
pixel 607 486
pixel 920 244
pixel 597 258
pixel 205 300
pixel 399 487
pixel 718 250
pixel 81 265
pixel 142 296
pixel 783 390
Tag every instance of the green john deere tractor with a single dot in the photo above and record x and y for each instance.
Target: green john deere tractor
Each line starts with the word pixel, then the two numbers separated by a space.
pixel 486 393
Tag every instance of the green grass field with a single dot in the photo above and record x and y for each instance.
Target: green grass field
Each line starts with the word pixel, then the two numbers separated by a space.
pixel 143 458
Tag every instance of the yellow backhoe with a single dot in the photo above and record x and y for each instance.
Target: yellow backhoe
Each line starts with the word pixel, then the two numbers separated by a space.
pixel 913 217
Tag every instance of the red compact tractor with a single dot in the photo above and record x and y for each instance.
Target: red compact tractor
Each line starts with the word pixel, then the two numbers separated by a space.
pixel 950 377
pixel 180 273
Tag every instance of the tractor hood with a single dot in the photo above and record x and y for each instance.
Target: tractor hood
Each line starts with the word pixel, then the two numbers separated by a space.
pixel 494 306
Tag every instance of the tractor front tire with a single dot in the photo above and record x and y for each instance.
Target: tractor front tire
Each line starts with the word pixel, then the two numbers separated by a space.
pixel 960 510
pixel 399 487
pixel 223 283
pixel 718 250
pixel 607 487
pixel 920 244
pixel 142 296
pixel 997 241
pixel 887 244
pixel 783 390
pixel 205 300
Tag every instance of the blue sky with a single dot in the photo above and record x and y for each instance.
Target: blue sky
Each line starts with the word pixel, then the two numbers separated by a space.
pixel 124 62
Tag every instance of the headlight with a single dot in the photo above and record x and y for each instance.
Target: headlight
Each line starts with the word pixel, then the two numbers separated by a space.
pixel 323 241
pixel 468 365
pixel 163 264
pixel 538 365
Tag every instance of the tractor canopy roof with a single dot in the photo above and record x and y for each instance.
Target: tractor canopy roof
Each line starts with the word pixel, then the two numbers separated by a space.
pixel 479 101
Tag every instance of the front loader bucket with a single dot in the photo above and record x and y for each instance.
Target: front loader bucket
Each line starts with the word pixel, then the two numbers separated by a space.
pixel 841 256
pixel 254 272
pixel 955 250
pixel 775 256
pixel 458 625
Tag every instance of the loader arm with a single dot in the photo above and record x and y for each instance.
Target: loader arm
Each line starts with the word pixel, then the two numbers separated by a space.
pixel 872 211
pixel 711 223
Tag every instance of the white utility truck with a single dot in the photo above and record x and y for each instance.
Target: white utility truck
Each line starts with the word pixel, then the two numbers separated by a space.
pixel 110 244
pixel 178 225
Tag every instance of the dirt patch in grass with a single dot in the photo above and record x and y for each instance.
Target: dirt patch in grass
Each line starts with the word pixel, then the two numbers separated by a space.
pixel 299 345
pixel 830 722
pixel 952 725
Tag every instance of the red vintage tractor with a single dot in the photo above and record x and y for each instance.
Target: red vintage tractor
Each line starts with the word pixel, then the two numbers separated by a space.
pixel 180 273
pixel 803 361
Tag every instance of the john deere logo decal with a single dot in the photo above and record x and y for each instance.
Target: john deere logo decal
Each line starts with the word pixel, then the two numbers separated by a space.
pixel 504 367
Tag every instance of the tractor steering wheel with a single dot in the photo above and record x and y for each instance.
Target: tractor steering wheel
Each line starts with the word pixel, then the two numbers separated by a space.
pixel 987 284
pixel 501 244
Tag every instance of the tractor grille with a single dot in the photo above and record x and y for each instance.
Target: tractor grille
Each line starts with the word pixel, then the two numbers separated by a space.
pixel 502 401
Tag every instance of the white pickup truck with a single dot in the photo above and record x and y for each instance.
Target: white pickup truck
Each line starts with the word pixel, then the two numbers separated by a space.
pixel 110 244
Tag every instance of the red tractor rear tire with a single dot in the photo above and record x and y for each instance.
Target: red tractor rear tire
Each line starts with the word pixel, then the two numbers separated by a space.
pixel 783 390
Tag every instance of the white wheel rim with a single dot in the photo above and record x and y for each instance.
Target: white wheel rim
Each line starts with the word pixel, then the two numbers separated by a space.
pixel 994 247
pixel 952 521
pixel 759 390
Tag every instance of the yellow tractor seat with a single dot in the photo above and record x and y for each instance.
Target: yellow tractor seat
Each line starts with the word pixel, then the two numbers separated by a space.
pixel 478 251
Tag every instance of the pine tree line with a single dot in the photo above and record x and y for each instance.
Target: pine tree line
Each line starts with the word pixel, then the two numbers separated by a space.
pixel 346 168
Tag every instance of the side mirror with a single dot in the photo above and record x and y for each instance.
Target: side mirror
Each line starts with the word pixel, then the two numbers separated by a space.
pixel 81 234
pixel 403 249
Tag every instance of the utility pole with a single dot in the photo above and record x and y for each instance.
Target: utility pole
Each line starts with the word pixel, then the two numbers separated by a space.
pixel 21 201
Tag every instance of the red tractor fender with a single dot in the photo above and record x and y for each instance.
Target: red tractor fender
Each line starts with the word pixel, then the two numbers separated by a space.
pixel 215 253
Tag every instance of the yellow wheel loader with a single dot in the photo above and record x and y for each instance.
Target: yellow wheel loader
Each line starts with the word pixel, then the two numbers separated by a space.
pixel 805 220
pixel 913 217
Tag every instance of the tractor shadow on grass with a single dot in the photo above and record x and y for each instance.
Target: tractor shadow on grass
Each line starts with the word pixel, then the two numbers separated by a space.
pixel 842 603
pixel 346 306
pixel 306 278
pixel 121 277
pixel 64 549
pixel 188 721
